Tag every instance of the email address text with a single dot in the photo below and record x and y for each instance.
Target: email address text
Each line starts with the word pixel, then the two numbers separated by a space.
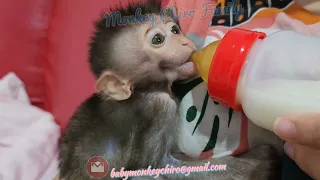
pixel 169 169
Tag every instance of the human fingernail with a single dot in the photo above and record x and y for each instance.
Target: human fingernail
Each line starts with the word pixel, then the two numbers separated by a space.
pixel 284 128
pixel 288 149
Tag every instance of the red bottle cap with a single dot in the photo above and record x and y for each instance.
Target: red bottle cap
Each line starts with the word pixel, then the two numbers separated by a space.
pixel 227 63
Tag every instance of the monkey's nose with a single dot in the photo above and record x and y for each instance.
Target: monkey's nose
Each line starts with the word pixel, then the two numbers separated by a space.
pixel 191 45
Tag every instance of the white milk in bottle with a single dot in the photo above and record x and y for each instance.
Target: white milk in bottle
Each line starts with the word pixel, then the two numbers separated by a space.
pixel 267 76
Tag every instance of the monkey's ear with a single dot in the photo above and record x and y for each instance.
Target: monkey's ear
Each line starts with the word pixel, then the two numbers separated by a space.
pixel 113 86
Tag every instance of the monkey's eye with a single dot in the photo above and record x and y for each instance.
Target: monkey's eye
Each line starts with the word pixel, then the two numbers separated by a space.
pixel 158 39
pixel 175 29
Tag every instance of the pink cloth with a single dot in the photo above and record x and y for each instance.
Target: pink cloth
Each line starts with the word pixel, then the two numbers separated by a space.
pixel 273 18
pixel 28 135
pixel 280 22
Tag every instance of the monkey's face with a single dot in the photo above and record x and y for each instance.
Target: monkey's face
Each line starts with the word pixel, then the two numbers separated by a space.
pixel 168 50
pixel 142 54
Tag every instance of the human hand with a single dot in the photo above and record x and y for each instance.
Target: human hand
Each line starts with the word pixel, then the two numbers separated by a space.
pixel 302 136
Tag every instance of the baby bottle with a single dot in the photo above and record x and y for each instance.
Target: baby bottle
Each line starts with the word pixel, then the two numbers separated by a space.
pixel 263 76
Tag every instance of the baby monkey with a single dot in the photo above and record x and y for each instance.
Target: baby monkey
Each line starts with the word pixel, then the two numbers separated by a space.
pixel 133 120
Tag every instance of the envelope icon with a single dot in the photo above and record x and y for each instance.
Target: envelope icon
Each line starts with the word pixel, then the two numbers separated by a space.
pixel 97 167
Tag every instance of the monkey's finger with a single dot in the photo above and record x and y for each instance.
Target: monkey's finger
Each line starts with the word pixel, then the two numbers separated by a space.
pixel 299 129
pixel 262 152
pixel 306 158
pixel 187 70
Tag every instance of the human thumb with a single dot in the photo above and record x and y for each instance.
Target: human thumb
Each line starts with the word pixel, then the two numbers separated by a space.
pixel 299 129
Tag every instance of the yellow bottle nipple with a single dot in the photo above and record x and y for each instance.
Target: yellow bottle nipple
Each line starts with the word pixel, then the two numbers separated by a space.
pixel 203 58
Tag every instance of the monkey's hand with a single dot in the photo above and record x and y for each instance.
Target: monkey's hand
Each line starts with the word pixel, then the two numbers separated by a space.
pixel 187 70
